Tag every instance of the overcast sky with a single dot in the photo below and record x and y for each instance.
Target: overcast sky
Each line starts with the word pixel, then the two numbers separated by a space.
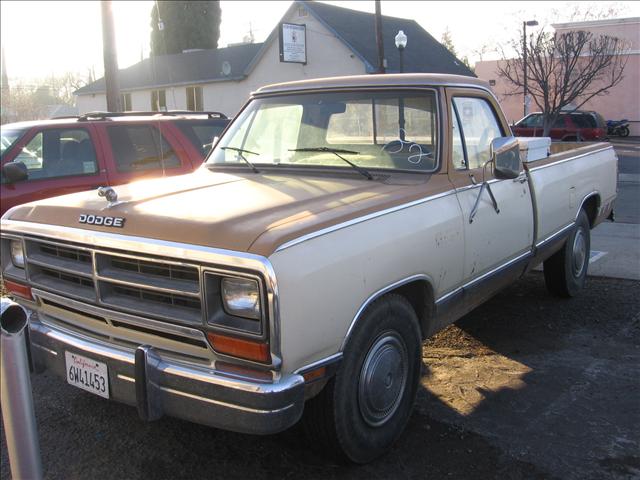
pixel 44 38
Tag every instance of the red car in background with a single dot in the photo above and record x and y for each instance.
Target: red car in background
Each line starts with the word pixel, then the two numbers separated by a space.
pixel 572 126
pixel 47 158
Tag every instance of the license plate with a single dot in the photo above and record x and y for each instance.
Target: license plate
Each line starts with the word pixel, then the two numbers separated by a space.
pixel 87 374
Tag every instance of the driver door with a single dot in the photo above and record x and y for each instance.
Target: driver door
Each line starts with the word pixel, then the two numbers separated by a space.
pixel 492 239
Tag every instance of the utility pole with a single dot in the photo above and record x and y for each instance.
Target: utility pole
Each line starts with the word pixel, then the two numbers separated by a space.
pixel 110 58
pixel 379 42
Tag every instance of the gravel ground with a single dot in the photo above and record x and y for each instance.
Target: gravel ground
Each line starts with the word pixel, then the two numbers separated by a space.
pixel 526 386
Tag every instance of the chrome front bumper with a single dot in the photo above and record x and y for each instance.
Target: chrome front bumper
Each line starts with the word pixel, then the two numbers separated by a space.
pixel 157 386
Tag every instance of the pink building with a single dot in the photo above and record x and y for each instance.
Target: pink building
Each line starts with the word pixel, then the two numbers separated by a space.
pixel 623 100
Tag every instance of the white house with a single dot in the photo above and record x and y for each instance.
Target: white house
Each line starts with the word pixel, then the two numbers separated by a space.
pixel 312 40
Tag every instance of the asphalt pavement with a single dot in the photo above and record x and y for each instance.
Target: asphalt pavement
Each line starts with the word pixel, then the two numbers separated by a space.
pixel 615 246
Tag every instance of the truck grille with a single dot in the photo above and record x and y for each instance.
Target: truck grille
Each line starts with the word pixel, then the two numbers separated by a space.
pixel 160 289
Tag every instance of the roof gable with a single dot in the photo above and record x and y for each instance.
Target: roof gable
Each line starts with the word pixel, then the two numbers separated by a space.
pixel 424 54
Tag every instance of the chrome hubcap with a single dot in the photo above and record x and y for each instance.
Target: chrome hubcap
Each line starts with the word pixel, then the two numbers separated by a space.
pixel 383 379
pixel 579 252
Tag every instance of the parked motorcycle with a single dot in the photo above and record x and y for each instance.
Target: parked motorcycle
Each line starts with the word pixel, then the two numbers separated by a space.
pixel 618 127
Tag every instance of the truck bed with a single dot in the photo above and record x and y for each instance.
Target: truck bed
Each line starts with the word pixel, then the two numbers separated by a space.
pixel 589 169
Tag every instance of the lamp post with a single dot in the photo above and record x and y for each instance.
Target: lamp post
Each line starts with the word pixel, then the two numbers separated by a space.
pixel 401 43
pixel 530 23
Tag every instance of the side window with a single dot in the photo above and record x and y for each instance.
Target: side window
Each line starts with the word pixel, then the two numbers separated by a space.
pixel 456 136
pixel 59 153
pixel 140 147
pixel 479 127
pixel 201 135
pixel 560 122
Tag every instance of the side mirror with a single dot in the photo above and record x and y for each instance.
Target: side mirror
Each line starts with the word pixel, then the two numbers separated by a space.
pixel 14 172
pixel 505 154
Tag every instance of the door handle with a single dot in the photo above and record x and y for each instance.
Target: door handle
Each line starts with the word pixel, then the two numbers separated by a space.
pixel 520 178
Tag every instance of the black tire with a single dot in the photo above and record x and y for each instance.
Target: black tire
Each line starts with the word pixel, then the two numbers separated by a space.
pixel 624 132
pixel 565 272
pixel 382 355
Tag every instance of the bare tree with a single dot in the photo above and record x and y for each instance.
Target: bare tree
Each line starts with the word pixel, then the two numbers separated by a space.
pixel 565 69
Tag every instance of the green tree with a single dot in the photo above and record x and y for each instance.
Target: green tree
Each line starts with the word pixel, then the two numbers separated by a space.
pixel 183 25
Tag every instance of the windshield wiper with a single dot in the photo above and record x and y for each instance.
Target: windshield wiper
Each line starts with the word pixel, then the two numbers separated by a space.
pixel 337 152
pixel 240 154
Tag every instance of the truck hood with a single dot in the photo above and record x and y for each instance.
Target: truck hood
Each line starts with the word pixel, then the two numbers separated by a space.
pixel 243 212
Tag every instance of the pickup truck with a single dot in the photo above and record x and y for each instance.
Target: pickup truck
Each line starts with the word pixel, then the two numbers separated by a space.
pixel 335 225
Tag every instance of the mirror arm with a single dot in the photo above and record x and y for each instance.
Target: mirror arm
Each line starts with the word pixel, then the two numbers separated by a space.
pixel 474 210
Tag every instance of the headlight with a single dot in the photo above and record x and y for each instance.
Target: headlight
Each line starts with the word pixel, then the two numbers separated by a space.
pixel 17 254
pixel 241 297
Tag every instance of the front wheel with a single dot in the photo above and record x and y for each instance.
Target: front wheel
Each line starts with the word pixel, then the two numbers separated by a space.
pixel 366 406
pixel 566 270
pixel 624 132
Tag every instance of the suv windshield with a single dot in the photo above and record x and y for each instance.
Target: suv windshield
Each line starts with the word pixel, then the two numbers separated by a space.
pixel 373 130
pixel 8 137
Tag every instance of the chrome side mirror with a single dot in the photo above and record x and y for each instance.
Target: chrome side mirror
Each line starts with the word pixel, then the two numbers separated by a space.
pixel 505 155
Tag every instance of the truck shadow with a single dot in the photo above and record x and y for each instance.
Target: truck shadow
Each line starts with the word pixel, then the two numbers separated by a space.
pixel 526 386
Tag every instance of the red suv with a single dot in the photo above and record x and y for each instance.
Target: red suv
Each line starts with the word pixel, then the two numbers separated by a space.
pixel 569 126
pixel 59 156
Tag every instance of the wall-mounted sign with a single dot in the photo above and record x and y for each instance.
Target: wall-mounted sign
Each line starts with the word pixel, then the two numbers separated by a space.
pixel 293 43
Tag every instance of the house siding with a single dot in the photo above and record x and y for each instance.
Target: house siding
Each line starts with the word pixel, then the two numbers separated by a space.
pixel 326 56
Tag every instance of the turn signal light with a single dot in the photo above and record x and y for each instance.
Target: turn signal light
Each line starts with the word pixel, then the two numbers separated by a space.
pixel 18 289
pixel 316 374
pixel 236 347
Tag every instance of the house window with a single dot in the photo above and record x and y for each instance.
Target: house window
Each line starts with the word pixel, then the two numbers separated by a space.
pixel 158 101
pixel 125 102
pixel 194 99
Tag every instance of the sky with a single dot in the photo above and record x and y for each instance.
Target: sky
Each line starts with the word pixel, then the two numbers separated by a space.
pixel 40 39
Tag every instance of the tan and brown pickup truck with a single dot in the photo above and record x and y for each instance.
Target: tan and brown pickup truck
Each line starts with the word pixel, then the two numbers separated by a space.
pixel 336 225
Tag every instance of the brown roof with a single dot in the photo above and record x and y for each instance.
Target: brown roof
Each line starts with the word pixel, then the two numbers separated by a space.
pixel 396 79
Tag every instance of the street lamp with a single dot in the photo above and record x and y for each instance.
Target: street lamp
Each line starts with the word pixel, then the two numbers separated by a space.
pixel 530 23
pixel 401 43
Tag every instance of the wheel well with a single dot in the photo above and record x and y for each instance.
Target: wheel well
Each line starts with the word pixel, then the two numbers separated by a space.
pixel 590 206
pixel 420 295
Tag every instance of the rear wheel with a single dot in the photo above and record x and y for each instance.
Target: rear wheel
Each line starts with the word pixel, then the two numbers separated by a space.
pixel 565 272
pixel 366 406
pixel 624 132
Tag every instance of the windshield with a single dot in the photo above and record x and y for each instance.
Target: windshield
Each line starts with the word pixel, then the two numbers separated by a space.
pixel 373 130
pixel 8 138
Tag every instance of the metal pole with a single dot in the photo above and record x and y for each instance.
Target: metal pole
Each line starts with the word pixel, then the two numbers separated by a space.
pixel 524 66
pixel 110 58
pixel 379 42
pixel 401 60
pixel 18 415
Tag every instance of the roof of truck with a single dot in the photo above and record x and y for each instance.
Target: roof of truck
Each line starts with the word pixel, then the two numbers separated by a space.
pixel 395 80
